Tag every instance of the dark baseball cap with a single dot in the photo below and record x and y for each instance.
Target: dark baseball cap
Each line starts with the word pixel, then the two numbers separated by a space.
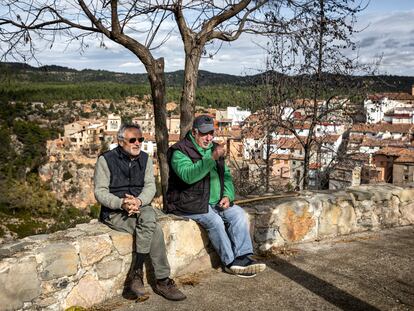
pixel 204 123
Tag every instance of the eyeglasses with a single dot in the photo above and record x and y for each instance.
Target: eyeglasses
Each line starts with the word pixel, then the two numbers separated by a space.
pixel 134 139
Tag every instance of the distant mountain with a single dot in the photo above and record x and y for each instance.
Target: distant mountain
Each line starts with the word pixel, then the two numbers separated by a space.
pixel 53 73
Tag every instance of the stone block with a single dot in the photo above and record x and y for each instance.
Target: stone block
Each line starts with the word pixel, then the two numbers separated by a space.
pixel 265 235
pixel 58 260
pixel 406 195
pixel 109 268
pixel 337 219
pixel 55 285
pixel 19 283
pixel 93 248
pixel 86 293
pixel 294 221
pixel 388 213
pixel 45 302
pixel 9 249
pixel 360 195
pixel 347 219
pixel 407 214
pixel 185 242
pixel 123 242
pixel 343 196
pixel 265 220
pixel 37 238
pixel 94 228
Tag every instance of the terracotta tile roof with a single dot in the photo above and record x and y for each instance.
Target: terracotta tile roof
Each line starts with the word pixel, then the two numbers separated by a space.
pixel 302 126
pixel 330 139
pixel 361 157
pixel 356 139
pixel 405 159
pixel 372 142
pixel 381 127
pixel 173 137
pixel 288 143
pixel 395 151
pixel 148 137
pixel 314 166
pixel 281 156
pixel 392 96
pixel 255 132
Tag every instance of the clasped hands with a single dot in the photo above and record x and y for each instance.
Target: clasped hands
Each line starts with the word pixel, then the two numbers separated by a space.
pixel 131 204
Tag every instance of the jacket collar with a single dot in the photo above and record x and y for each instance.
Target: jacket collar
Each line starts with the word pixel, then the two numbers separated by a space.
pixel 123 154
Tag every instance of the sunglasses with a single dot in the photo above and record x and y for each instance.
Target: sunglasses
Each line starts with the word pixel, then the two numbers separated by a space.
pixel 134 139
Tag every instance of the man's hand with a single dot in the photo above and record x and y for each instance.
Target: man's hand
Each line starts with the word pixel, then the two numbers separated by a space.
pixel 224 203
pixel 218 152
pixel 131 204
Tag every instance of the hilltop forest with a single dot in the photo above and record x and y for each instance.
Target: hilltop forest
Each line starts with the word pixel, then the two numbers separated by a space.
pixel 24 83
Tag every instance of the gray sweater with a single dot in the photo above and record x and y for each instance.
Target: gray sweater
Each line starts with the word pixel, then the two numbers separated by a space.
pixel 102 180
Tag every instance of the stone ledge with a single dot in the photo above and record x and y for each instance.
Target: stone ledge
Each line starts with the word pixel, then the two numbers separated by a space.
pixel 88 264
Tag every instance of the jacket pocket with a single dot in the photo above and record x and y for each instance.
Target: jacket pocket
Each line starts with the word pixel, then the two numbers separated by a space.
pixel 192 201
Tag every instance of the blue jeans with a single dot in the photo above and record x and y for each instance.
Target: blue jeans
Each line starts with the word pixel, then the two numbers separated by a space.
pixel 228 231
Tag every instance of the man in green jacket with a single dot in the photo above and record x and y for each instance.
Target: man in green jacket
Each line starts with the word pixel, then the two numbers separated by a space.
pixel 200 187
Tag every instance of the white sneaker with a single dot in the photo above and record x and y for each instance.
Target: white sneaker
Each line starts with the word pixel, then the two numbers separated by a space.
pixel 240 275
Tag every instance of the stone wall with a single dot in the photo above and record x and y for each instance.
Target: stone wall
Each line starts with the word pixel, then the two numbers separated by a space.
pixel 88 264
pixel 320 215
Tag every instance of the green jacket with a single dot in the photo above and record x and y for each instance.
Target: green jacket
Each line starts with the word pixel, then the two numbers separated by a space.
pixel 191 172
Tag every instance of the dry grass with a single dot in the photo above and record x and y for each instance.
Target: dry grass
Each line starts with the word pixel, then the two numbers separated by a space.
pixel 190 280
pixel 284 251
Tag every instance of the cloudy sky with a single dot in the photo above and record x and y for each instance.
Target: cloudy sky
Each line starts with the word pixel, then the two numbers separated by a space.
pixel 388 31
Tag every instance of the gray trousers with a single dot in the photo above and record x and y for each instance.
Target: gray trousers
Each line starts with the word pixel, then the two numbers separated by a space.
pixel 149 237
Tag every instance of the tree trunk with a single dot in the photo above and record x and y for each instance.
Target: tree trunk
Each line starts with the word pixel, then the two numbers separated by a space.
pixel 305 182
pixel 188 95
pixel 157 82
pixel 268 161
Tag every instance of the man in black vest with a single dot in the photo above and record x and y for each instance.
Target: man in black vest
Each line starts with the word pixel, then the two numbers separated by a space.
pixel 125 187
pixel 200 187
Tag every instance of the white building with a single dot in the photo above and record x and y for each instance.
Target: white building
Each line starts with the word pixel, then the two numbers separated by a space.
pixel 114 123
pixel 378 105
pixel 235 114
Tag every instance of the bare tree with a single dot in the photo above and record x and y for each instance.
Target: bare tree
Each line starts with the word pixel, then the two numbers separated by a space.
pixel 309 75
pixel 135 25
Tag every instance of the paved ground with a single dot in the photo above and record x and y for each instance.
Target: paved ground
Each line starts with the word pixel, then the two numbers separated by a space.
pixel 372 271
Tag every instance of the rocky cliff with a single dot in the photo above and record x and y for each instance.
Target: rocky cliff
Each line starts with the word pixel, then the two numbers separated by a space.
pixel 71 178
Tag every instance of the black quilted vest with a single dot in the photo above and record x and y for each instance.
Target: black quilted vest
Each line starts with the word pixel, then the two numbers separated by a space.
pixel 189 198
pixel 126 175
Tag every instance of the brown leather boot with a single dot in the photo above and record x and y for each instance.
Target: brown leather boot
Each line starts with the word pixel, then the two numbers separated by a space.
pixel 136 286
pixel 169 290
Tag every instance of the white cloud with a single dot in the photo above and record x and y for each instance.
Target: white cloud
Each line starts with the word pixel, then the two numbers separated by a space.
pixel 390 36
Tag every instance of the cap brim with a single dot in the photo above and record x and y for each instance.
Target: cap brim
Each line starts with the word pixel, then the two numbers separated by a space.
pixel 205 128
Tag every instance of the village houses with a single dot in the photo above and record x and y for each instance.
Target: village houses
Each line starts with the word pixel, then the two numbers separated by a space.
pixel 342 153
